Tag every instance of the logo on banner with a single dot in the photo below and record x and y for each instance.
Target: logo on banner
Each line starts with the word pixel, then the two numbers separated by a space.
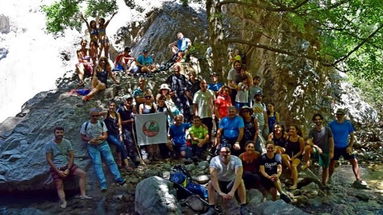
pixel 150 128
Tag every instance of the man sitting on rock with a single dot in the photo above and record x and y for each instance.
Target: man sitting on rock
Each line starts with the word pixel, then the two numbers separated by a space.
pixel 145 62
pixel 226 178
pixel 94 134
pixel 231 130
pixel 60 157
pixel 180 47
pixel 125 62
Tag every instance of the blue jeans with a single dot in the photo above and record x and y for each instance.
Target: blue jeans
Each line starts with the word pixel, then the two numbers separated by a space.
pixel 95 152
pixel 115 140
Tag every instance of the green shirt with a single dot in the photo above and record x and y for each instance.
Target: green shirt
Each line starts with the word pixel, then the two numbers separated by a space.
pixel 199 132
pixel 59 152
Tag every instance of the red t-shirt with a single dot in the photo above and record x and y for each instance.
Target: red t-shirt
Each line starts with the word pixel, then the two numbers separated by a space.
pixel 126 59
pixel 223 103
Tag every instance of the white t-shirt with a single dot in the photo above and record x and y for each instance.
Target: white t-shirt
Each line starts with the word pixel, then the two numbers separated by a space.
pixel 205 103
pixel 242 95
pixel 226 172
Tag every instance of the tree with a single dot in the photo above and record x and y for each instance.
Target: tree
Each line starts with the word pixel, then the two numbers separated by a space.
pixel 64 14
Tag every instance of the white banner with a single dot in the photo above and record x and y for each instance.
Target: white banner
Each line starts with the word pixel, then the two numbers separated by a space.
pixel 151 128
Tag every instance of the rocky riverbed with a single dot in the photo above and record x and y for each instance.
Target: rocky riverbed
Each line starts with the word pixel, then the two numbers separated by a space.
pixel 341 199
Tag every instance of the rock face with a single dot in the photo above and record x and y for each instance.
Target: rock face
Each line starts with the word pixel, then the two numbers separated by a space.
pixel 4 24
pixel 22 154
pixel 161 27
pixel 156 195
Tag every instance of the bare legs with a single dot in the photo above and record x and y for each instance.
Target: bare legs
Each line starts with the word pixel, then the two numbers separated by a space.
pixel 355 168
pixel 212 193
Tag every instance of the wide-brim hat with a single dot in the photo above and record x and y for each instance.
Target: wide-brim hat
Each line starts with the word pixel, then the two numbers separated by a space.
pixel 245 107
pixel 164 87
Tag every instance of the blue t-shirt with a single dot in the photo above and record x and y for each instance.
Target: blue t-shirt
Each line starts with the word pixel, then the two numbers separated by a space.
pixel 215 87
pixel 177 133
pixel 231 126
pixel 145 60
pixel 182 44
pixel 341 132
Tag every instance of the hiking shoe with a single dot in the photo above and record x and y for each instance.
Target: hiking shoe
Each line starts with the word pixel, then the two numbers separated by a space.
pixel 243 210
pixel 359 184
pixel 210 211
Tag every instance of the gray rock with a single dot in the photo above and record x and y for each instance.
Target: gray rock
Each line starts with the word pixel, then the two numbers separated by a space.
pixel 195 203
pixel 203 165
pixel 278 207
pixel 4 24
pixel 254 196
pixel 154 196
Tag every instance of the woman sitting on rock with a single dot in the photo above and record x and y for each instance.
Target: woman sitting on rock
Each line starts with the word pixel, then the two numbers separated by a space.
pixel 278 136
pixel 100 76
pixel 113 123
pixel 295 145
pixel 250 161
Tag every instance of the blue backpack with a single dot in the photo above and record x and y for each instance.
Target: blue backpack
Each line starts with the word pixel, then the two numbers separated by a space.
pixel 181 177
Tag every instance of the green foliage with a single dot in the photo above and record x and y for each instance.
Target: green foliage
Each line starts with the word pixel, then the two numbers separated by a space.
pixel 102 8
pixel 64 14
pixel 61 15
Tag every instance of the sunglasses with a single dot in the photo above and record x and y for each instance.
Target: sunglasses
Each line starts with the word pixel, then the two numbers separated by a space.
pixel 148 97
pixel 95 115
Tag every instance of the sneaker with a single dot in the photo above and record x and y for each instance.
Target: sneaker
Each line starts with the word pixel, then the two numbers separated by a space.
pixel 63 204
pixel 85 197
pixel 121 181
pixel 210 211
pixel 359 184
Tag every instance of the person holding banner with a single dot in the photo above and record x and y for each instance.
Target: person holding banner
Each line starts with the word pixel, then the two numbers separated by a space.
pixel 146 108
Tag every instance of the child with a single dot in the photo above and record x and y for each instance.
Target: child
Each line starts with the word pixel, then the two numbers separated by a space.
pixel 199 136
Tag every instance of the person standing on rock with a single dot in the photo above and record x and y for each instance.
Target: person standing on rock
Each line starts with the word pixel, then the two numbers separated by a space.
pixel 60 157
pixel 94 134
pixel 344 139
pixel 226 178
pixel 203 104
pixel 321 145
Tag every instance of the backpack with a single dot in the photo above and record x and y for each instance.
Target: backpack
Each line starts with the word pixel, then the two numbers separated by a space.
pixel 184 182
pixel 87 124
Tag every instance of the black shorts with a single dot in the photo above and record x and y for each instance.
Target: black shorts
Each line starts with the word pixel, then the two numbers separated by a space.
pixel 225 186
pixel 342 152
pixel 267 183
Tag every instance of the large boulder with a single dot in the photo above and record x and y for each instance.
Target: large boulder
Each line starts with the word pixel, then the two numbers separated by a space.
pixel 156 195
pixel 23 166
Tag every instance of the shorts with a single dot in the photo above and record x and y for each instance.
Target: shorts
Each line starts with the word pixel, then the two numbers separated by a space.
pixel 180 148
pixel 267 183
pixel 342 152
pixel 225 186
pixel 56 176
pixel 323 159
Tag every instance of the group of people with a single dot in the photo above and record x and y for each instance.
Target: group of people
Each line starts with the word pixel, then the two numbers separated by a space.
pixel 203 118
pixel 94 60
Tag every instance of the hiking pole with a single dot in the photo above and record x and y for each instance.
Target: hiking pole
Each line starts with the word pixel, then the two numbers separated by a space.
pixel 135 143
